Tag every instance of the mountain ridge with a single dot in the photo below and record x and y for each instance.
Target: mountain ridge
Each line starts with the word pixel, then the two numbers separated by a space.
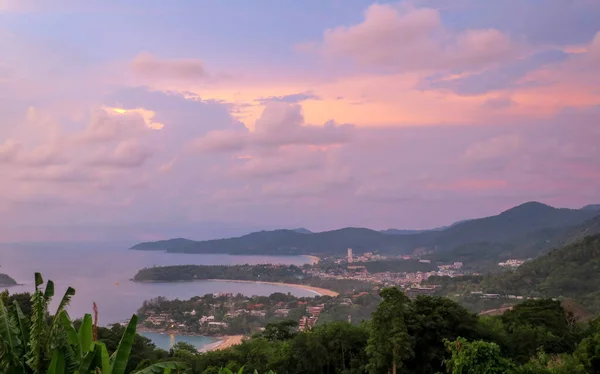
pixel 511 223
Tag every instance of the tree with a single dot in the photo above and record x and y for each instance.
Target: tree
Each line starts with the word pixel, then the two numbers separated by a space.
pixel 430 321
pixel 588 353
pixel 389 344
pixel 284 330
pixel 478 357
pixel 536 324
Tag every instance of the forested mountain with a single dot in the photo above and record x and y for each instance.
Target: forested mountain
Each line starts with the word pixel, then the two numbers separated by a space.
pixel 572 271
pixel 532 223
pixel 485 255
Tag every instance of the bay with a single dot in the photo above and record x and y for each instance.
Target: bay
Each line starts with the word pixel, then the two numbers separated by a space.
pixel 101 273
pixel 166 341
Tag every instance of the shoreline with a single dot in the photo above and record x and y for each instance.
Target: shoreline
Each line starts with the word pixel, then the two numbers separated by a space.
pixel 317 290
pixel 224 342
pixel 315 259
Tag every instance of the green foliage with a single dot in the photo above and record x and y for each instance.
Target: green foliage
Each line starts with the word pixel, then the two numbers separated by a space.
pixel 42 343
pixel 266 273
pixel 389 344
pixel 284 330
pixel 477 357
pixel 570 272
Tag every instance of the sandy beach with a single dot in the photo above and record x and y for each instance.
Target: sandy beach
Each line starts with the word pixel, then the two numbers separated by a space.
pixel 223 343
pixel 315 259
pixel 319 291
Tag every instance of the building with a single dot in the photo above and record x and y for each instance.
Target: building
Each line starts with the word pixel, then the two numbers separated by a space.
pixel 282 312
pixel 258 313
pixel 513 263
pixel 205 319
pixel 349 255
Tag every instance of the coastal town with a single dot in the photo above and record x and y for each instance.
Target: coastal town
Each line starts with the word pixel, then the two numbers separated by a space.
pixel 226 314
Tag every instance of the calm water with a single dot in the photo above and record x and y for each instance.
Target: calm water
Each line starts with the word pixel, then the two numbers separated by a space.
pixel 166 341
pixel 102 273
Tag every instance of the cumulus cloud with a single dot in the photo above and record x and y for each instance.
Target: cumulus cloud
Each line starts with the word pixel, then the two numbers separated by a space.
pixel 127 154
pixel 402 37
pixel 281 124
pixel 108 125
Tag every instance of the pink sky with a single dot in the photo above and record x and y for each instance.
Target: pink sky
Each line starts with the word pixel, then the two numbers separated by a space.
pixel 409 114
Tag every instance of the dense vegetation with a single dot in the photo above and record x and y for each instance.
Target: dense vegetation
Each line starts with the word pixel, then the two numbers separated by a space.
pixel 6 280
pixel 244 315
pixel 426 335
pixel 572 271
pixel 392 265
pixel 40 343
pixel 267 273
pixel 523 231
pixel 484 255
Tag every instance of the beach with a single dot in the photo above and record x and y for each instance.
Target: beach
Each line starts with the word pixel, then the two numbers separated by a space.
pixel 223 343
pixel 314 259
pixel 319 291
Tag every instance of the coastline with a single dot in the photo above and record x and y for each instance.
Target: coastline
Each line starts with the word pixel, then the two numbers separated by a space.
pixel 315 259
pixel 319 291
pixel 224 342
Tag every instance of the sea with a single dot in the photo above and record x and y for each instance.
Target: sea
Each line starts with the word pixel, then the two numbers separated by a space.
pixel 101 273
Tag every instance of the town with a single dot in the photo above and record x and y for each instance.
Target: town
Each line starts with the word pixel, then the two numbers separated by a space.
pixel 228 314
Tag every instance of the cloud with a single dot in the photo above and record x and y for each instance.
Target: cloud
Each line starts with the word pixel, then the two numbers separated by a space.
pixel 109 125
pixel 149 66
pixel 405 38
pixel 292 99
pixel 286 161
pixel 506 76
pixel 220 141
pixel 500 102
pixel 127 154
pixel 281 124
pixel 9 150
pixel 494 148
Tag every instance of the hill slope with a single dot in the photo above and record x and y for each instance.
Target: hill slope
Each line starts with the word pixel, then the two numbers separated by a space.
pixel 572 271
pixel 513 223
pixel 484 256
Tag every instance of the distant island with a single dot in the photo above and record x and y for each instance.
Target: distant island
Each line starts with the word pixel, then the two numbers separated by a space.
pixel 7 281
pixel 527 230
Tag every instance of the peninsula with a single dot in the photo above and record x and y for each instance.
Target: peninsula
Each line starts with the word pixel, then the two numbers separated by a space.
pixel 289 275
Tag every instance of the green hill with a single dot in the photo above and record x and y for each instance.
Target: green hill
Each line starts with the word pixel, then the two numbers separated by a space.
pixel 484 256
pixel 572 272
pixel 529 221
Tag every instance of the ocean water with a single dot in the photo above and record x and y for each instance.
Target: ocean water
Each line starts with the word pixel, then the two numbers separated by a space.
pixel 102 273
pixel 166 341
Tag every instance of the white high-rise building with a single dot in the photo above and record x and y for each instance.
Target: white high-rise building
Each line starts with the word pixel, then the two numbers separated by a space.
pixel 349 255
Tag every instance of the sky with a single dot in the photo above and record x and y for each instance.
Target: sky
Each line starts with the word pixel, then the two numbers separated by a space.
pixel 146 119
